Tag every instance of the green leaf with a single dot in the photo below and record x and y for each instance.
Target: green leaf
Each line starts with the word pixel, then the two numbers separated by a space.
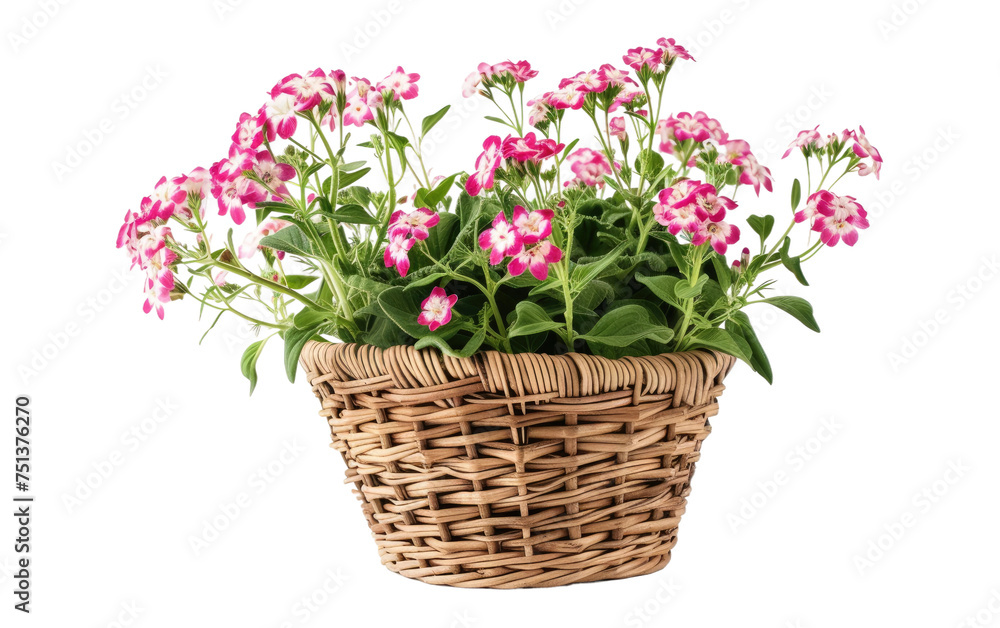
pixel 649 163
pixel 433 119
pixel 723 274
pixel 626 325
pixel 352 215
pixel 295 282
pixel 248 363
pixel 684 290
pixel 470 347
pixel 295 339
pixel 739 325
pixel 430 198
pixel 584 273
pixel 664 287
pixel 275 206
pixel 762 226
pixel 347 178
pixel 403 308
pixel 799 308
pixel 309 318
pixel 313 169
pixel 796 194
pixel 291 239
pixel 721 340
pixel 531 319
pixel 423 281
pixel 354 165
pixel 496 119
pixel 793 264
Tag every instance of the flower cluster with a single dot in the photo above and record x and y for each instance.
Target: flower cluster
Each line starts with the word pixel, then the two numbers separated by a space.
pixel 613 243
pixel 525 241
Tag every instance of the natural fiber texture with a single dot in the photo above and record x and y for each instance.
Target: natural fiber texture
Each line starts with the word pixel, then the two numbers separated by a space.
pixel 522 470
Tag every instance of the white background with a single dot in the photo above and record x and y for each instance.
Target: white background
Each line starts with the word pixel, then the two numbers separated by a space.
pixel 921 78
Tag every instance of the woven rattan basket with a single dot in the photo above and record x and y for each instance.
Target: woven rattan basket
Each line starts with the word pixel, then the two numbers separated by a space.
pixel 507 471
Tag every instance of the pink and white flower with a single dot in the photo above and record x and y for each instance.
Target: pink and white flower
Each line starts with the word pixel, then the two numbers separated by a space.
pixel 528 148
pixel 811 211
pixel 232 167
pixel 309 90
pixel 158 292
pixel 416 223
pixel 436 308
pixel 228 194
pixel 831 231
pixel 863 148
pixel 166 195
pixel 755 174
pixel 718 234
pixel 279 115
pixel 249 134
pixel 502 240
pixel 470 86
pixel 251 243
pixel 538 110
pixel 357 111
pixel 586 82
pixel 715 131
pixel 734 152
pixel 397 253
pixel 686 126
pixel 272 175
pixel 486 165
pixel 616 128
pixel 401 84
pixel 196 185
pixel 674 213
pixel 672 50
pixel 535 259
pixel 533 226
pixel 613 76
pixel 638 58
pixel 589 166
pixel 707 202
pixel 803 140
pixel 566 98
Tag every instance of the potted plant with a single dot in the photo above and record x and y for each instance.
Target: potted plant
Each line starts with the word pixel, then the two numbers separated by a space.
pixel 529 352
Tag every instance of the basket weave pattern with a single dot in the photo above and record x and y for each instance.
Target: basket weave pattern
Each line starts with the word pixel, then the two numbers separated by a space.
pixel 526 470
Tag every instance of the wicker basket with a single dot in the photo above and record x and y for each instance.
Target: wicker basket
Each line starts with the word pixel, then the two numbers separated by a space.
pixel 507 471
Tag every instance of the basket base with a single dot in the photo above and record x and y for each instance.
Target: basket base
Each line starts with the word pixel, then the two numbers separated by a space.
pixel 513 571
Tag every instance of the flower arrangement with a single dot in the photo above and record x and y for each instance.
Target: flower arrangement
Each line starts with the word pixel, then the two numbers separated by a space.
pixel 613 243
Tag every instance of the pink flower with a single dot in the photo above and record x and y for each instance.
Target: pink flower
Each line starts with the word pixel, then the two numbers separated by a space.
pixel 232 167
pixel 585 82
pixel 533 226
pixel 357 111
pixel 831 231
pixel 811 211
pixel 436 308
pixel 840 219
pixel 589 166
pixel 416 223
pixel 403 85
pixel 158 292
pixel 672 50
pixel 863 148
pixel 714 128
pixel 248 133
pixel 708 204
pixel 616 128
pixel 566 98
pixel 718 234
pixel 802 140
pixel 536 259
pixel 309 90
pixel 522 71
pixel 151 243
pixel 227 191
pixel 528 148
pixel 166 196
pixel 251 243
pixel 538 110
pixel 470 86
pixel 486 164
pixel 637 58
pixel 279 115
pixel 685 126
pixel 503 240
pixel 756 175
pixel 674 213
pixel 734 152
pixel 397 253
pixel 219 278
pixel 613 76
pixel 195 184
pixel 272 175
